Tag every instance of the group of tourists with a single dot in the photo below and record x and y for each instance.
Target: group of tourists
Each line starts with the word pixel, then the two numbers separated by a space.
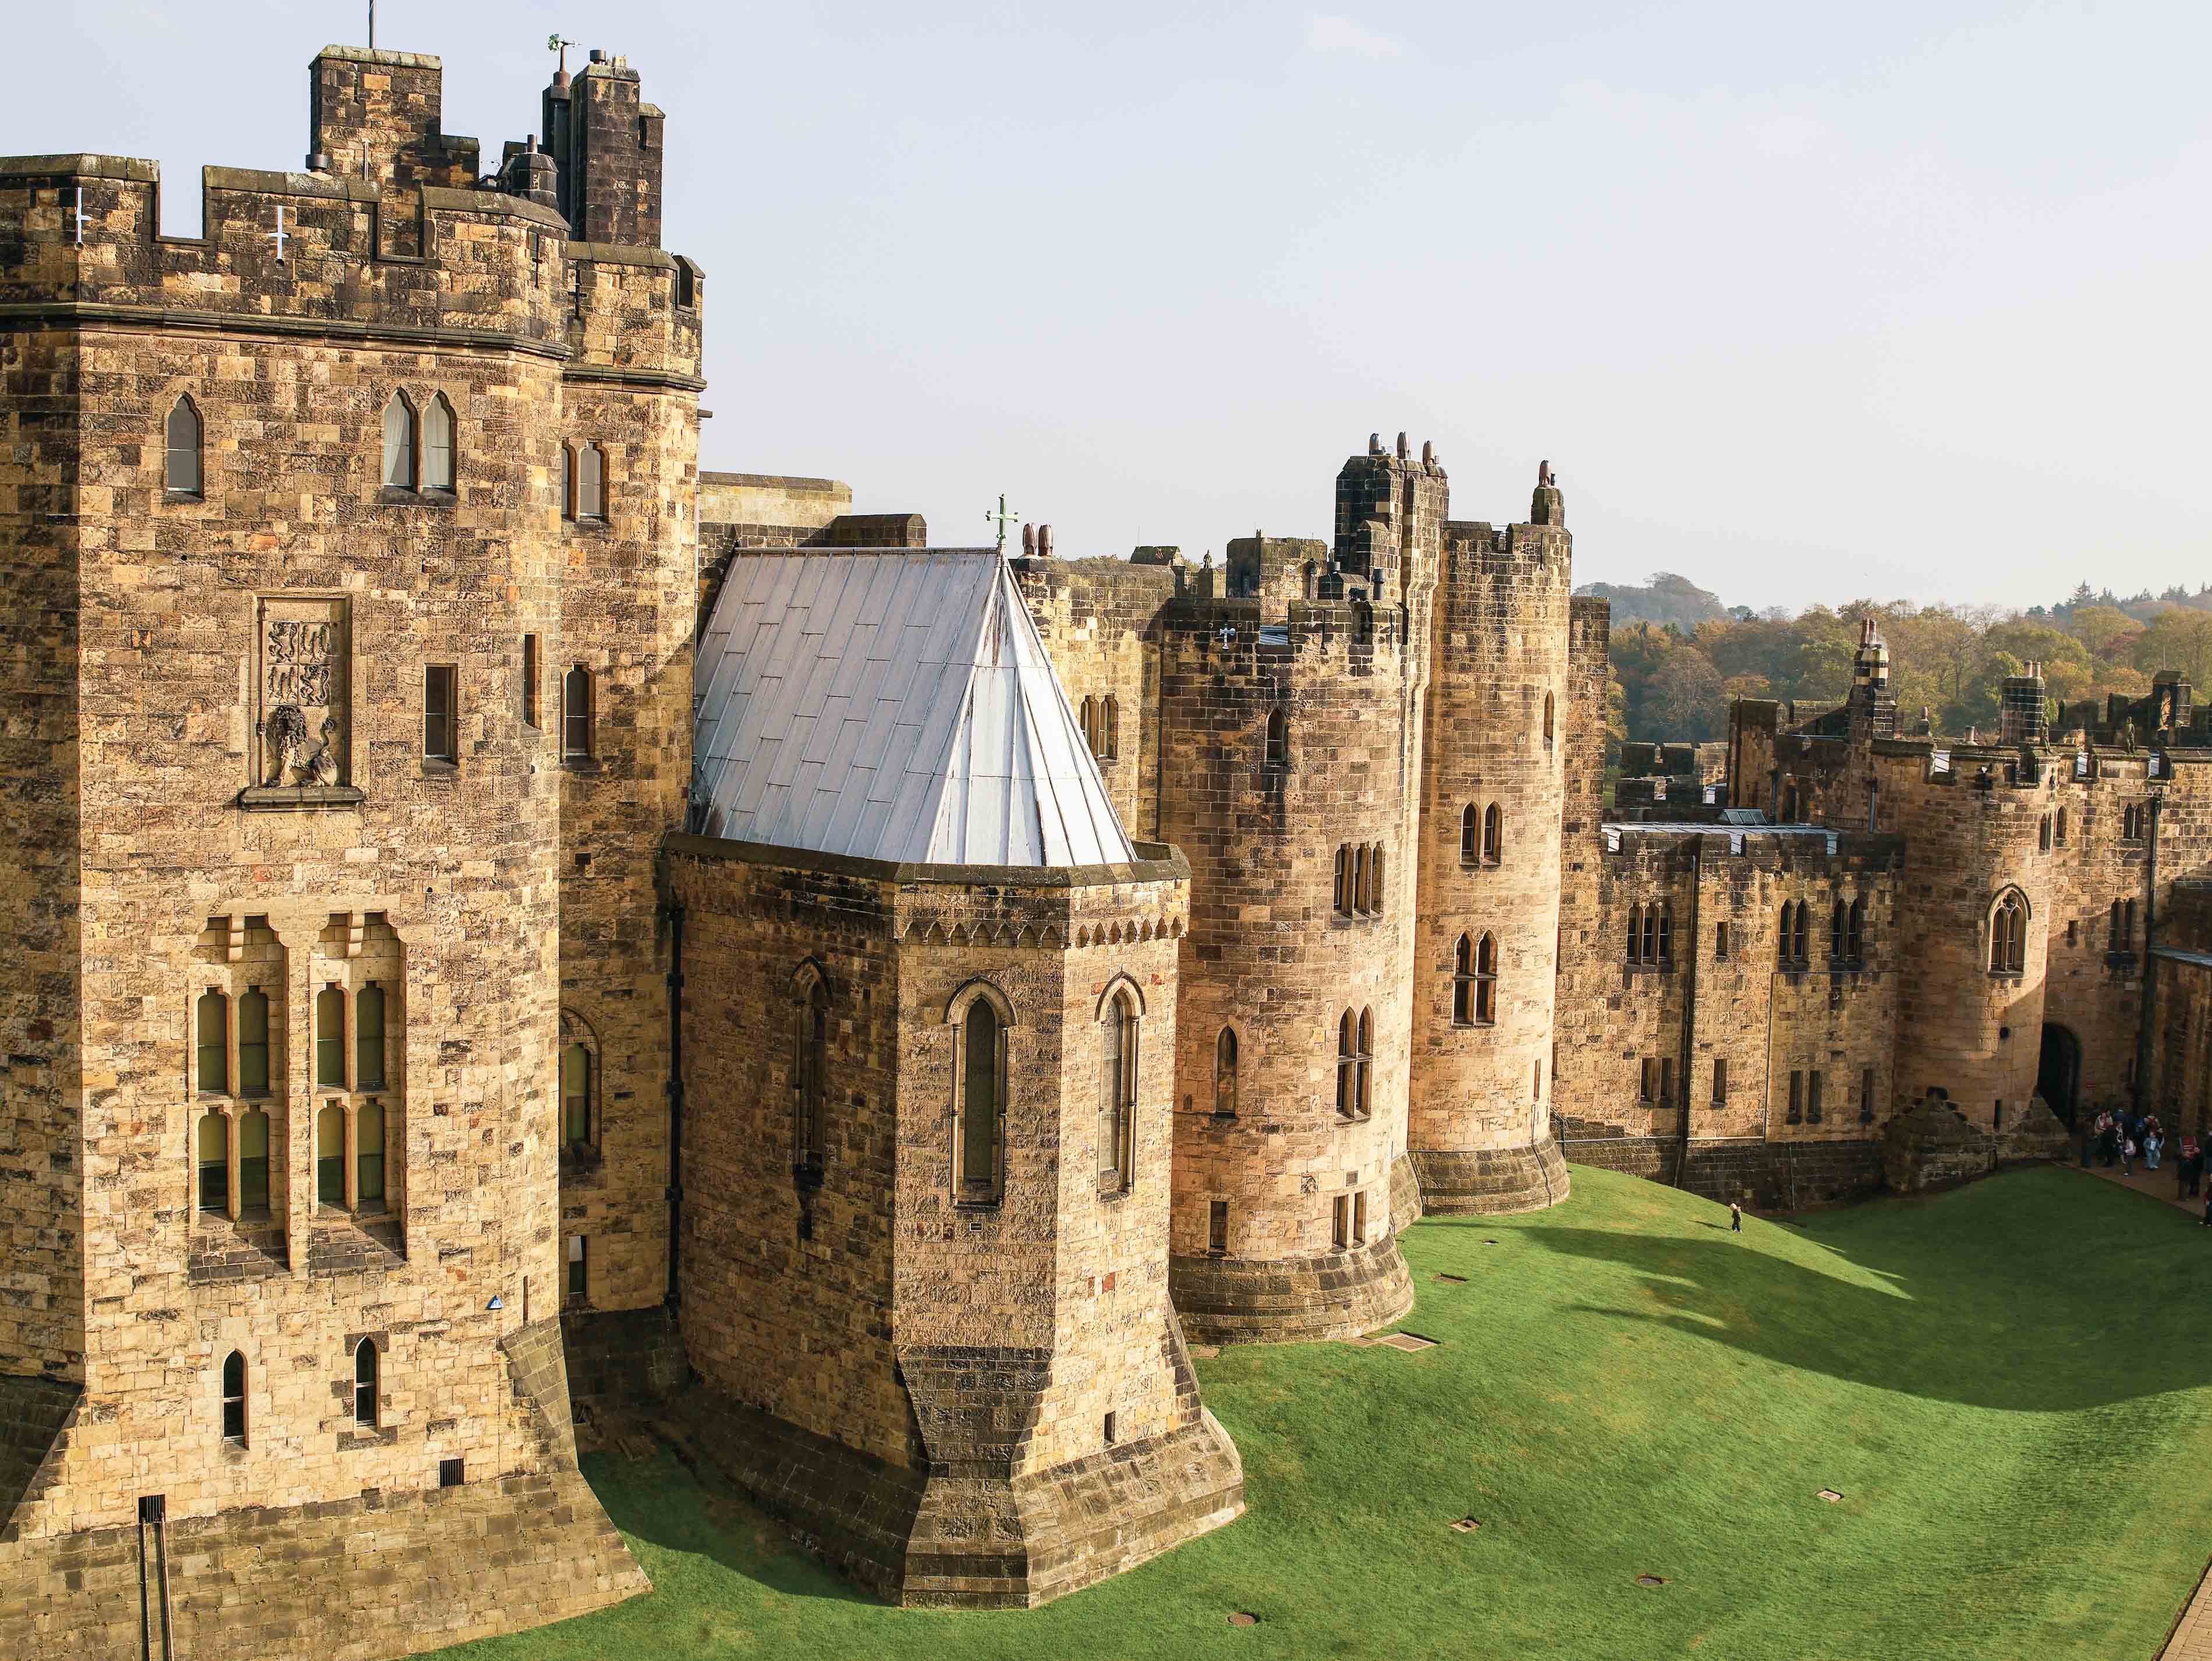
pixel 2123 1137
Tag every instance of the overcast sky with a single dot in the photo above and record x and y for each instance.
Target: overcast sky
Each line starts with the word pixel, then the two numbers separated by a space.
pixel 1801 303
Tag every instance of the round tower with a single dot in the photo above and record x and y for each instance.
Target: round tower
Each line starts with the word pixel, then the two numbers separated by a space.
pixel 1486 944
pixel 1289 750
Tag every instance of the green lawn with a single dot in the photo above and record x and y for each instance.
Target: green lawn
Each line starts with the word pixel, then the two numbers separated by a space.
pixel 2011 1386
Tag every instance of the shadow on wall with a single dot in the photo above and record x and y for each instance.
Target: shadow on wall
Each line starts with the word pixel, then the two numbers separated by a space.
pixel 1886 1315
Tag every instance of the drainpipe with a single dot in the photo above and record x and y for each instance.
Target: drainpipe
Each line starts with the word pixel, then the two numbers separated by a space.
pixel 2149 1000
pixel 1690 1007
pixel 675 1191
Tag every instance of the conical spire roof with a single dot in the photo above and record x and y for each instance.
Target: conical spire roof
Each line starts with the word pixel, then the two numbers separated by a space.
pixel 893 706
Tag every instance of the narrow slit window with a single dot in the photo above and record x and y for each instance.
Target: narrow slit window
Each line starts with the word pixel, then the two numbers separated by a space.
pixel 330 1155
pixel 400 438
pixel 579 1272
pixel 253 1043
pixel 214 1162
pixel 329 1038
pixel 576 1095
pixel 1224 1073
pixel 1720 1081
pixel 438 445
pixel 577 713
pixel 982 1103
pixel 234 1398
pixel 1547 717
pixel 368 1152
pixel 253 1161
pixel 530 710
pixel 1470 834
pixel 1359 1218
pixel 1720 940
pixel 591 482
pixel 364 1384
pixel 1347 1066
pixel 567 481
pixel 1118 1091
pixel 1279 737
pixel 368 1037
pixel 1854 930
pixel 1485 981
pixel 1796 1097
pixel 213 1023
pixel 1493 834
pixel 1217 1227
pixel 1341 1225
pixel 439 713
pixel 1866 1095
pixel 184 471
pixel 1813 1097
pixel 1366 1058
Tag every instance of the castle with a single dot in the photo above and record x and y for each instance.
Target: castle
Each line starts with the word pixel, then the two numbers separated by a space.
pixel 512 928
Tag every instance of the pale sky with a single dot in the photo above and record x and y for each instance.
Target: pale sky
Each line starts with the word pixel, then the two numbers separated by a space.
pixel 1801 303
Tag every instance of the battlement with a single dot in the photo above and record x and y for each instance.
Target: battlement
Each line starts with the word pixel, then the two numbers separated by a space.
pixel 1802 849
pixel 348 249
pixel 1235 636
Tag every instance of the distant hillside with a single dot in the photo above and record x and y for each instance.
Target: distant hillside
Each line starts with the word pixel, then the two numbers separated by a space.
pixel 1666 598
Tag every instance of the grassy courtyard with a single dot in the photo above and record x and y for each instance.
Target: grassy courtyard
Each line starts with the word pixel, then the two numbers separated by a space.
pixel 2011 1387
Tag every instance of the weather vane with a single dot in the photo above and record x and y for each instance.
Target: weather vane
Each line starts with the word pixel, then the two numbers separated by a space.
pixel 560 44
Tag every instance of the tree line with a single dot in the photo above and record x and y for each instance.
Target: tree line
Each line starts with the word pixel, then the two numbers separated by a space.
pixel 1673 674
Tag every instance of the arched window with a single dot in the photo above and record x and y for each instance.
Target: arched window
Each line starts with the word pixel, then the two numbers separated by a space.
pixel 810 1070
pixel 1086 721
pixel 1117 1098
pixel 438 445
pixel 330 1155
pixel 253 1042
pixel 1635 933
pixel 400 439
pixel 577 713
pixel 1224 1073
pixel 1547 717
pixel 1463 982
pixel 1651 934
pixel 577 1097
pixel 329 1038
pixel 1839 927
pixel 1366 1058
pixel 253 1161
pixel 233 1398
pixel 1279 737
pixel 184 471
pixel 214 1162
pixel 1110 737
pixel 1347 1066
pixel 2043 836
pixel 1855 931
pixel 1362 895
pixel 368 1152
pixel 591 483
pixel 212 1025
pixel 2062 828
pixel 2114 940
pixel 368 1037
pixel 364 1384
pixel 1375 880
pixel 979 1016
pixel 568 480
pixel 1493 834
pixel 1470 835
pixel 1794 947
pixel 1666 933
pixel 1343 898
pixel 1486 981
pixel 2008 934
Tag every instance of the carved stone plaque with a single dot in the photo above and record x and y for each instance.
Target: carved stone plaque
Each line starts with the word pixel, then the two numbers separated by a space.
pixel 303 720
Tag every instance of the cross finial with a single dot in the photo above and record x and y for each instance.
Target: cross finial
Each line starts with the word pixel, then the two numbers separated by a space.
pixel 76 216
pixel 278 236
pixel 1003 518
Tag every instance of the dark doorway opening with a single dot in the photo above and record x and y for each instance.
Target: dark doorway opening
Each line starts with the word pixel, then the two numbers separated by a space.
pixel 2058 1074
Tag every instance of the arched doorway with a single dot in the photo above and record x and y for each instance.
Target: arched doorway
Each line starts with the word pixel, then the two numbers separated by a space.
pixel 2058 1074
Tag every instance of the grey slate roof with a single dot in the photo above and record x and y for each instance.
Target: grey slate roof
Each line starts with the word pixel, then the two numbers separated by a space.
pixel 895 706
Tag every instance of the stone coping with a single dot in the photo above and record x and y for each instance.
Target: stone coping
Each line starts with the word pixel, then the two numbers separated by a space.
pixel 1158 862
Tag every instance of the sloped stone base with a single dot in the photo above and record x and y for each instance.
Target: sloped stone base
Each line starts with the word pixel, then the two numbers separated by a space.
pixel 1492 1180
pixel 1340 1294
pixel 381 1575
pixel 1405 1193
pixel 1929 1145
pixel 958 1529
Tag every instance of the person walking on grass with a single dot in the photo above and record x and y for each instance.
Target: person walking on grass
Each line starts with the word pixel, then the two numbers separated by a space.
pixel 1735 1216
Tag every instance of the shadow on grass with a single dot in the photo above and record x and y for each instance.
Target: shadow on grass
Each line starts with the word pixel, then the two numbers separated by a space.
pixel 682 1508
pixel 2093 1301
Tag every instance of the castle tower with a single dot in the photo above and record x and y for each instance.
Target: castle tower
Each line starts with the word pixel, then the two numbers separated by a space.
pixel 1290 740
pixel 294 858
pixel 1491 794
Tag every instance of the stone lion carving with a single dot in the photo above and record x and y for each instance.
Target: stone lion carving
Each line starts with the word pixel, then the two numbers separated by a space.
pixel 288 737
pixel 321 768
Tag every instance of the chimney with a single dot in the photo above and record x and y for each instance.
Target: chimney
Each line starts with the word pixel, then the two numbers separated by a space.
pixel 2023 716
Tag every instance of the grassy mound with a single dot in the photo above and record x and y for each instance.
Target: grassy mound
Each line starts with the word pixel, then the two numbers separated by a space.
pixel 2010 1387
